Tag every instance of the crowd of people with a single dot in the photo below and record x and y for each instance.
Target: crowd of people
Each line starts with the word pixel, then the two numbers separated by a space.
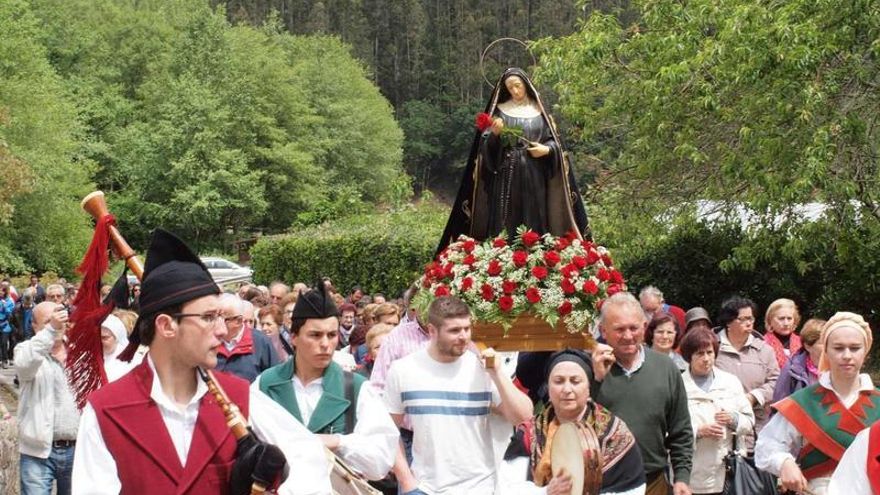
pixel 406 401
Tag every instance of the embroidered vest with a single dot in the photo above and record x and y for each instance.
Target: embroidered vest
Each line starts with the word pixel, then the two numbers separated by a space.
pixel 827 426
pixel 329 415
pixel 146 460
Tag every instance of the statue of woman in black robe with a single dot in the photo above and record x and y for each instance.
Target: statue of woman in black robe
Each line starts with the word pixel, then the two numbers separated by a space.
pixel 527 182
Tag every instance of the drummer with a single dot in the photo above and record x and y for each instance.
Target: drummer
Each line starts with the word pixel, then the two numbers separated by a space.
pixel 569 390
pixel 348 417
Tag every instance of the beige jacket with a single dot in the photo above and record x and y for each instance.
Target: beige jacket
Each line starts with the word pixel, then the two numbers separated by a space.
pixel 725 393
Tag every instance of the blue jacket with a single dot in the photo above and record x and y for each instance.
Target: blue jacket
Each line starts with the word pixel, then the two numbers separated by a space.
pixel 251 356
pixel 7 307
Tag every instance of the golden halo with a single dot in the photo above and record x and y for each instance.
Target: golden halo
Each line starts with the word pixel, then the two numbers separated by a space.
pixel 502 53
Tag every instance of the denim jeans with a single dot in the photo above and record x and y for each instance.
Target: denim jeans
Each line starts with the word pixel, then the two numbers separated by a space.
pixel 37 474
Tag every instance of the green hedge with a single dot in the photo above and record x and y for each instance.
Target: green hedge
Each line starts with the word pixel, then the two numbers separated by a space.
pixel 381 252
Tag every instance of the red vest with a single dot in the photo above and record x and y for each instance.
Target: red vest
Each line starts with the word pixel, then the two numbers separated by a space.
pixel 873 466
pixel 146 461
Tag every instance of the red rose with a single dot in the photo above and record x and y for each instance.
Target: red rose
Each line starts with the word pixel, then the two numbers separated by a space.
pixel 467 283
pixel 505 303
pixel 483 121
pixel 529 238
pixel 613 289
pixel 562 243
pixel 606 258
pixel 571 235
pixel 592 257
pixel 508 286
pixel 539 272
pixel 616 277
pixel 579 261
pixel 590 287
pixel 441 291
pixel 569 270
pixel 564 308
pixel 533 295
pixel 494 268
pixel 567 287
pixel 499 242
pixel 447 269
pixel 603 275
pixel 551 258
pixel 468 246
pixel 487 292
pixel 469 260
pixel 426 283
pixel 520 258
pixel 437 272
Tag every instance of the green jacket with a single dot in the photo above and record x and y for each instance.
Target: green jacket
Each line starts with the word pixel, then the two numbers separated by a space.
pixel 329 415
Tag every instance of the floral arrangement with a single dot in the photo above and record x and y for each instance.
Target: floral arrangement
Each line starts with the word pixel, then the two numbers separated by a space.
pixel 553 278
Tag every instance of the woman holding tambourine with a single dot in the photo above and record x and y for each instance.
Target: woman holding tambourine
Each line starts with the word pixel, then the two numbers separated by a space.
pixel 577 446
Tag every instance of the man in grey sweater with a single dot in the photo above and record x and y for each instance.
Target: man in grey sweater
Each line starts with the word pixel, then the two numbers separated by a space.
pixel 646 391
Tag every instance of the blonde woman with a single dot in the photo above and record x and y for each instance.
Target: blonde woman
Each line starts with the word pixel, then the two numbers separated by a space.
pixel 781 321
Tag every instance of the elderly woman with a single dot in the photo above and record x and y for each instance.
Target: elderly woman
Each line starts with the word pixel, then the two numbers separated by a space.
pixel 803 444
pixel 802 370
pixel 781 321
pixel 569 390
pixel 271 318
pixel 744 355
pixel 663 336
pixel 375 337
pixel 718 408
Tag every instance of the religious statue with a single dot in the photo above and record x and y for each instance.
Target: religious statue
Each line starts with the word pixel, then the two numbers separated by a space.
pixel 517 172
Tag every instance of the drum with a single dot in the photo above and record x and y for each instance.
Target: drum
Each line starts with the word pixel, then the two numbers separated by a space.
pixel 344 481
pixel 575 448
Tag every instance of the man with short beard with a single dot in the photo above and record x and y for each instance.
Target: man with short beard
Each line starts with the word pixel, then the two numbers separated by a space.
pixel 449 397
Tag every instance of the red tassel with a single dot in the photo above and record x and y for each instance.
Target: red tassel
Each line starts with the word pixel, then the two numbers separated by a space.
pixel 85 355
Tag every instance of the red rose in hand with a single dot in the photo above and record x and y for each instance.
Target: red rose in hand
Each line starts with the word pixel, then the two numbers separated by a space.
pixel 468 246
pixel 441 291
pixel 520 258
pixel 533 295
pixel 579 261
pixel 603 275
pixel 592 257
pixel 564 308
pixel 467 283
pixel 508 286
pixel 590 287
pixel 613 289
pixel 469 260
pixel 616 277
pixel 487 292
pixel 569 270
pixel 539 272
pixel 505 303
pixel 567 287
pixel 499 242
pixel 551 258
pixel 529 238
pixel 483 121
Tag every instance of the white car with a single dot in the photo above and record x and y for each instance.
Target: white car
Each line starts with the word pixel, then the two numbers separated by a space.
pixel 224 270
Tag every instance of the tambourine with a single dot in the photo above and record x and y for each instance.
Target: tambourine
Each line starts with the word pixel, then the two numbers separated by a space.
pixel 575 448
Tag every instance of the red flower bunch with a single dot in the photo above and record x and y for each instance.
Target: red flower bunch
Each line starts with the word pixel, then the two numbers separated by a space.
pixel 520 258
pixel 483 121
pixel 530 238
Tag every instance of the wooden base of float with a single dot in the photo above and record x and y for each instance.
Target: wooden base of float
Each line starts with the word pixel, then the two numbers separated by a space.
pixel 530 334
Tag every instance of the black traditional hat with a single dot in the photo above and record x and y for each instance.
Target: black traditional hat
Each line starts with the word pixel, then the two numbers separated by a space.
pixel 315 303
pixel 173 275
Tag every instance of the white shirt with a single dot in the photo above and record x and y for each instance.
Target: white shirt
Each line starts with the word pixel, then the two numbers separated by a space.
pixel 370 449
pixel 780 440
pixel 851 477
pixel 95 472
pixel 449 405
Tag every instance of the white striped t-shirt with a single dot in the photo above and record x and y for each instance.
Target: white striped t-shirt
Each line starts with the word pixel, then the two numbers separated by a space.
pixel 449 405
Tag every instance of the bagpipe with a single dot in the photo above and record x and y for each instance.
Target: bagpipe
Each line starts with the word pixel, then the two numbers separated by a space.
pixel 258 464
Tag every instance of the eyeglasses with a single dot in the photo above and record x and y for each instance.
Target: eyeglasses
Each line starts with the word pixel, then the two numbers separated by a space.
pixel 210 318
pixel 230 319
pixel 745 319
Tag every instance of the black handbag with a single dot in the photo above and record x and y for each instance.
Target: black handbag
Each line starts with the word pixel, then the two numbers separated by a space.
pixel 743 478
